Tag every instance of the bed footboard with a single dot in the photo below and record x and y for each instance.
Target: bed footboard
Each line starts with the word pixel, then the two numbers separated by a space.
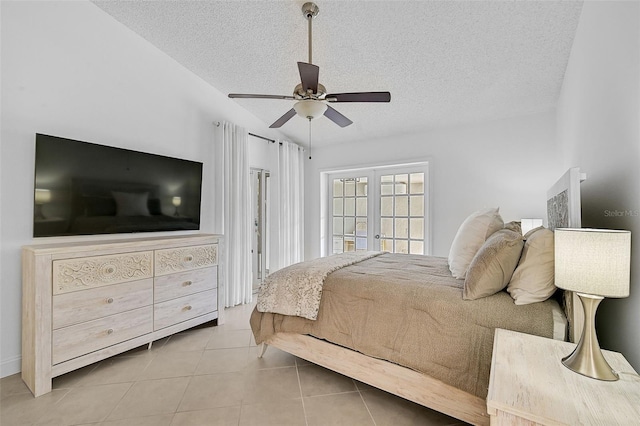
pixel 390 377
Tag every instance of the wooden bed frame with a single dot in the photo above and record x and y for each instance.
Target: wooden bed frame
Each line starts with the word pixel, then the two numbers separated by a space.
pixel 563 202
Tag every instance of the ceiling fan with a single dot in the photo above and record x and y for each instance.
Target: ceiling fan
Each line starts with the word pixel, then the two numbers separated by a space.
pixel 312 96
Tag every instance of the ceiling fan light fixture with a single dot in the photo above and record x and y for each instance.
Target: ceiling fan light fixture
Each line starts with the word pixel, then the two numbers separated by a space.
pixel 310 108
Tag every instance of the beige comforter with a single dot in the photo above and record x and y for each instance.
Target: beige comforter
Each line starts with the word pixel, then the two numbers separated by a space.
pixel 408 309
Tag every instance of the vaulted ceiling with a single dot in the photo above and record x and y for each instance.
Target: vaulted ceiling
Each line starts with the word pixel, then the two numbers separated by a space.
pixel 445 62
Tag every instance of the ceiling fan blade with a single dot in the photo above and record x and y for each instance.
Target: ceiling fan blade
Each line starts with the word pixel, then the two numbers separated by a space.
pixel 359 97
pixel 336 117
pixel 309 76
pixel 286 117
pixel 250 96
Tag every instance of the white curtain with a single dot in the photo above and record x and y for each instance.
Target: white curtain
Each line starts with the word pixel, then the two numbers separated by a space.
pixel 291 203
pixel 236 256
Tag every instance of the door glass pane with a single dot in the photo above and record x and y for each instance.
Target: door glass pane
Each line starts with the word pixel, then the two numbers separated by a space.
pixel 402 246
pixel 402 206
pixel 417 183
pixel 361 206
pixel 337 226
pixel 361 187
pixel 417 229
pixel 386 245
pixel 349 244
pixel 402 228
pixel 386 185
pixel 349 206
pixel 361 226
pixel 337 245
pixel 416 247
pixel 417 205
pixel 350 188
pixel 402 182
pixel 338 207
pixel 386 227
pixel 386 206
pixel 349 226
pixel 337 188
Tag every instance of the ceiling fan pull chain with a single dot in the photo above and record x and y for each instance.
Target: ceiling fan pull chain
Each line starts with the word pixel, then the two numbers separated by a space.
pixel 309 138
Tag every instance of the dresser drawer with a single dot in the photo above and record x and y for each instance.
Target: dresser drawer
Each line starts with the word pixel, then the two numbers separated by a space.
pixel 88 272
pixel 81 306
pixel 184 283
pixel 80 339
pixel 183 308
pixel 173 260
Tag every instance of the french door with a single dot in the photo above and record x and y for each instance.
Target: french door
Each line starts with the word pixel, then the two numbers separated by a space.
pixel 379 209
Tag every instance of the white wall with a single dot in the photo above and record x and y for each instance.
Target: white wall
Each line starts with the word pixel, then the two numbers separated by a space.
pixel 599 131
pixel 508 163
pixel 70 70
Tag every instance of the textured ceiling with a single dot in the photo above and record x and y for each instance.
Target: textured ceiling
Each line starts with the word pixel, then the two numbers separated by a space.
pixel 444 62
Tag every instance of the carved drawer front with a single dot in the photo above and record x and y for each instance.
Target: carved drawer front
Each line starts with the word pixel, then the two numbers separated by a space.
pixel 185 258
pixel 183 308
pixel 185 283
pixel 80 339
pixel 88 272
pixel 81 306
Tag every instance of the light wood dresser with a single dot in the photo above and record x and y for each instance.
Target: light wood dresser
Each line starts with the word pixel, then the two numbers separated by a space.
pixel 530 386
pixel 86 301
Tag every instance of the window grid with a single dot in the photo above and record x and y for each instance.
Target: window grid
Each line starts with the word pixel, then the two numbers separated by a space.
pixel 402 213
pixel 349 214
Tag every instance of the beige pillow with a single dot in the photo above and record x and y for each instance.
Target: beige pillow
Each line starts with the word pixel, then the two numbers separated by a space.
pixel 492 267
pixel 470 236
pixel 533 280
pixel 514 226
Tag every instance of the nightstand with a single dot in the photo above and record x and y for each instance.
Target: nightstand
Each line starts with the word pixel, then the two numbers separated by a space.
pixel 529 385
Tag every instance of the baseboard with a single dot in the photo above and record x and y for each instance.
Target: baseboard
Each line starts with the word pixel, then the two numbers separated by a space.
pixel 10 366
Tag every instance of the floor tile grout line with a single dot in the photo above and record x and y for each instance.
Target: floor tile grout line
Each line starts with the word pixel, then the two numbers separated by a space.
pixel 131 384
pixel 304 408
pixel 365 403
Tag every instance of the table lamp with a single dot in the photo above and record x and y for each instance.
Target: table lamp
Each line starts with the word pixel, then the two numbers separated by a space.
pixel 176 201
pixel 595 263
pixel 42 196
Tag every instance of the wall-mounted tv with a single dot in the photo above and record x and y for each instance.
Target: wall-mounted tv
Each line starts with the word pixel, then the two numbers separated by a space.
pixel 84 188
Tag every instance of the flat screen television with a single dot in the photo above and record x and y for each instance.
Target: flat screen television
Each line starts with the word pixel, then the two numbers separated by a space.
pixel 84 188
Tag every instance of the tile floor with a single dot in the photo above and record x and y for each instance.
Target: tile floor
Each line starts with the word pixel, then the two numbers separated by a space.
pixel 208 376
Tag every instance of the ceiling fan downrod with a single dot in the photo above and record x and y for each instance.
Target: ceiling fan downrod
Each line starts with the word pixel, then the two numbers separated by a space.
pixel 309 11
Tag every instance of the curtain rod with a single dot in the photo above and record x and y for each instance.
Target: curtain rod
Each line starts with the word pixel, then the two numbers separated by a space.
pixel 217 123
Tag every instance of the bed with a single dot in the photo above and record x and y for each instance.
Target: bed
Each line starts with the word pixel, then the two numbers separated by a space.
pixel 420 340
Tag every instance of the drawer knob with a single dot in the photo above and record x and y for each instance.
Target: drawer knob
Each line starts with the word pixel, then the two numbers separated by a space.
pixel 187 283
pixel 188 258
pixel 110 300
pixel 187 308
pixel 110 331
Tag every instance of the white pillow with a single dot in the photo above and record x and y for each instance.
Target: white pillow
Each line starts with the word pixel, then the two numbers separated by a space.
pixel 131 204
pixel 473 232
pixel 534 278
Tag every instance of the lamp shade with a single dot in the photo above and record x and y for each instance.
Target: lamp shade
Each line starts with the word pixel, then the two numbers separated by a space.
pixel 593 261
pixel 42 196
pixel 176 201
pixel 310 108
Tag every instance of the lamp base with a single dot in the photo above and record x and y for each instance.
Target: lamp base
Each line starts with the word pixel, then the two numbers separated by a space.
pixel 587 358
